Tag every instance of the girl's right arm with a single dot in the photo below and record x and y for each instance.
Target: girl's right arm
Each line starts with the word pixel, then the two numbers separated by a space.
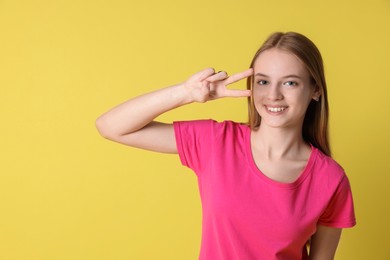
pixel 131 123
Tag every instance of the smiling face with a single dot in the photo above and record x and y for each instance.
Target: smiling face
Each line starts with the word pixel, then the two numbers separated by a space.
pixel 282 89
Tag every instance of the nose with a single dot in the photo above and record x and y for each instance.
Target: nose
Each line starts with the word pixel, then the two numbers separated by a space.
pixel 274 92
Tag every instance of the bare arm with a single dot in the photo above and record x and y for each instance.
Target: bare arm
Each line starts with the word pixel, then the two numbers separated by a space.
pixel 324 243
pixel 131 123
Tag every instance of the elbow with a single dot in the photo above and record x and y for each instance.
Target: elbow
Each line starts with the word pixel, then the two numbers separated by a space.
pixel 103 128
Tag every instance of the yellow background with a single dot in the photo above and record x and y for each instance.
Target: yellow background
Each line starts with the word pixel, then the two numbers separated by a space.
pixel 66 193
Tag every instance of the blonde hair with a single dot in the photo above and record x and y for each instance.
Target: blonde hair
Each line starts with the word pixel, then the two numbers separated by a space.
pixel 315 125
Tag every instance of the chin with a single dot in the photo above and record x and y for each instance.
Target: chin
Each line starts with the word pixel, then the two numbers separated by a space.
pixel 279 124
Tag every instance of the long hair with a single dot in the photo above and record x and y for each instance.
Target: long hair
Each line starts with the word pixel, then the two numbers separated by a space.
pixel 315 124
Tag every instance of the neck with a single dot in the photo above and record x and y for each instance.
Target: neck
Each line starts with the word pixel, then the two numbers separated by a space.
pixel 277 143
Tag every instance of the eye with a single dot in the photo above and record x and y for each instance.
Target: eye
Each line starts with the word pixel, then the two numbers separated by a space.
pixel 262 82
pixel 290 83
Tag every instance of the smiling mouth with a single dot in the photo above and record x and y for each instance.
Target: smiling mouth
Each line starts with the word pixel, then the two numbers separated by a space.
pixel 275 109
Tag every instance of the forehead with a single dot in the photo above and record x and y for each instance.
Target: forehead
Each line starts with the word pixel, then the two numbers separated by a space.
pixel 279 63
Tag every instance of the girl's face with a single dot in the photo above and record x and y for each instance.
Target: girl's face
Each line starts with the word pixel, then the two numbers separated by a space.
pixel 282 89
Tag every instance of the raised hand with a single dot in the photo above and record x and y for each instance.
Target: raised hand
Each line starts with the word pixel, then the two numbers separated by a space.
pixel 132 122
pixel 207 85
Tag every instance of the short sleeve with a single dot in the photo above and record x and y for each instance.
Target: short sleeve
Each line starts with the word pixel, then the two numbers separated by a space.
pixel 193 140
pixel 340 210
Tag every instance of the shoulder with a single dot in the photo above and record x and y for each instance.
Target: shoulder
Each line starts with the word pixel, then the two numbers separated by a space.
pixel 328 169
pixel 333 188
pixel 198 140
pixel 224 127
pixel 328 162
pixel 229 128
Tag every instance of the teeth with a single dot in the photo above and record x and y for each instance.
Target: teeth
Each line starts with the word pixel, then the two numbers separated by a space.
pixel 276 109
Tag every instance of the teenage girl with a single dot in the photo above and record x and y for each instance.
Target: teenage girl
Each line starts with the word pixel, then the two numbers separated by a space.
pixel 269 187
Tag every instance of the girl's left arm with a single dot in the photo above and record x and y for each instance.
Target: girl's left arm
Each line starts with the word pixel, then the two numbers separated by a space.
pixel 324 243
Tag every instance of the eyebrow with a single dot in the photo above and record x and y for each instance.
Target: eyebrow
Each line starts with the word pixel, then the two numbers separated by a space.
pixel 287 76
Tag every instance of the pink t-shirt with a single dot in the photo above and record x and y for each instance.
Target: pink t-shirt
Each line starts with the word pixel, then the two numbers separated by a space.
pixel 247 215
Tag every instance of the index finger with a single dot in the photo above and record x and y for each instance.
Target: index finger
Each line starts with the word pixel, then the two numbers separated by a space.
pixel 239 76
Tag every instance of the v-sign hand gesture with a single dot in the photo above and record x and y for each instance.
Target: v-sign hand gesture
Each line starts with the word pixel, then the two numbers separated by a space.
pixel 132 123
pixel 207 85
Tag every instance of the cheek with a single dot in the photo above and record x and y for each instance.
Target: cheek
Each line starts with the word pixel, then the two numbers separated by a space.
pixel 308 99
pixel 258 98
pixel 257 94
pixel 302 105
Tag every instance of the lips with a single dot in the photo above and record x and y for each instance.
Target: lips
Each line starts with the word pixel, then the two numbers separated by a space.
pixel 276 109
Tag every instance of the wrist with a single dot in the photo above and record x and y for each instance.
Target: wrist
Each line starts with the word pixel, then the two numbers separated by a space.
pixel 183 94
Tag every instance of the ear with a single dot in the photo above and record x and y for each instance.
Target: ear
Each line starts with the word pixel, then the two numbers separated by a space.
pixel 317 93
